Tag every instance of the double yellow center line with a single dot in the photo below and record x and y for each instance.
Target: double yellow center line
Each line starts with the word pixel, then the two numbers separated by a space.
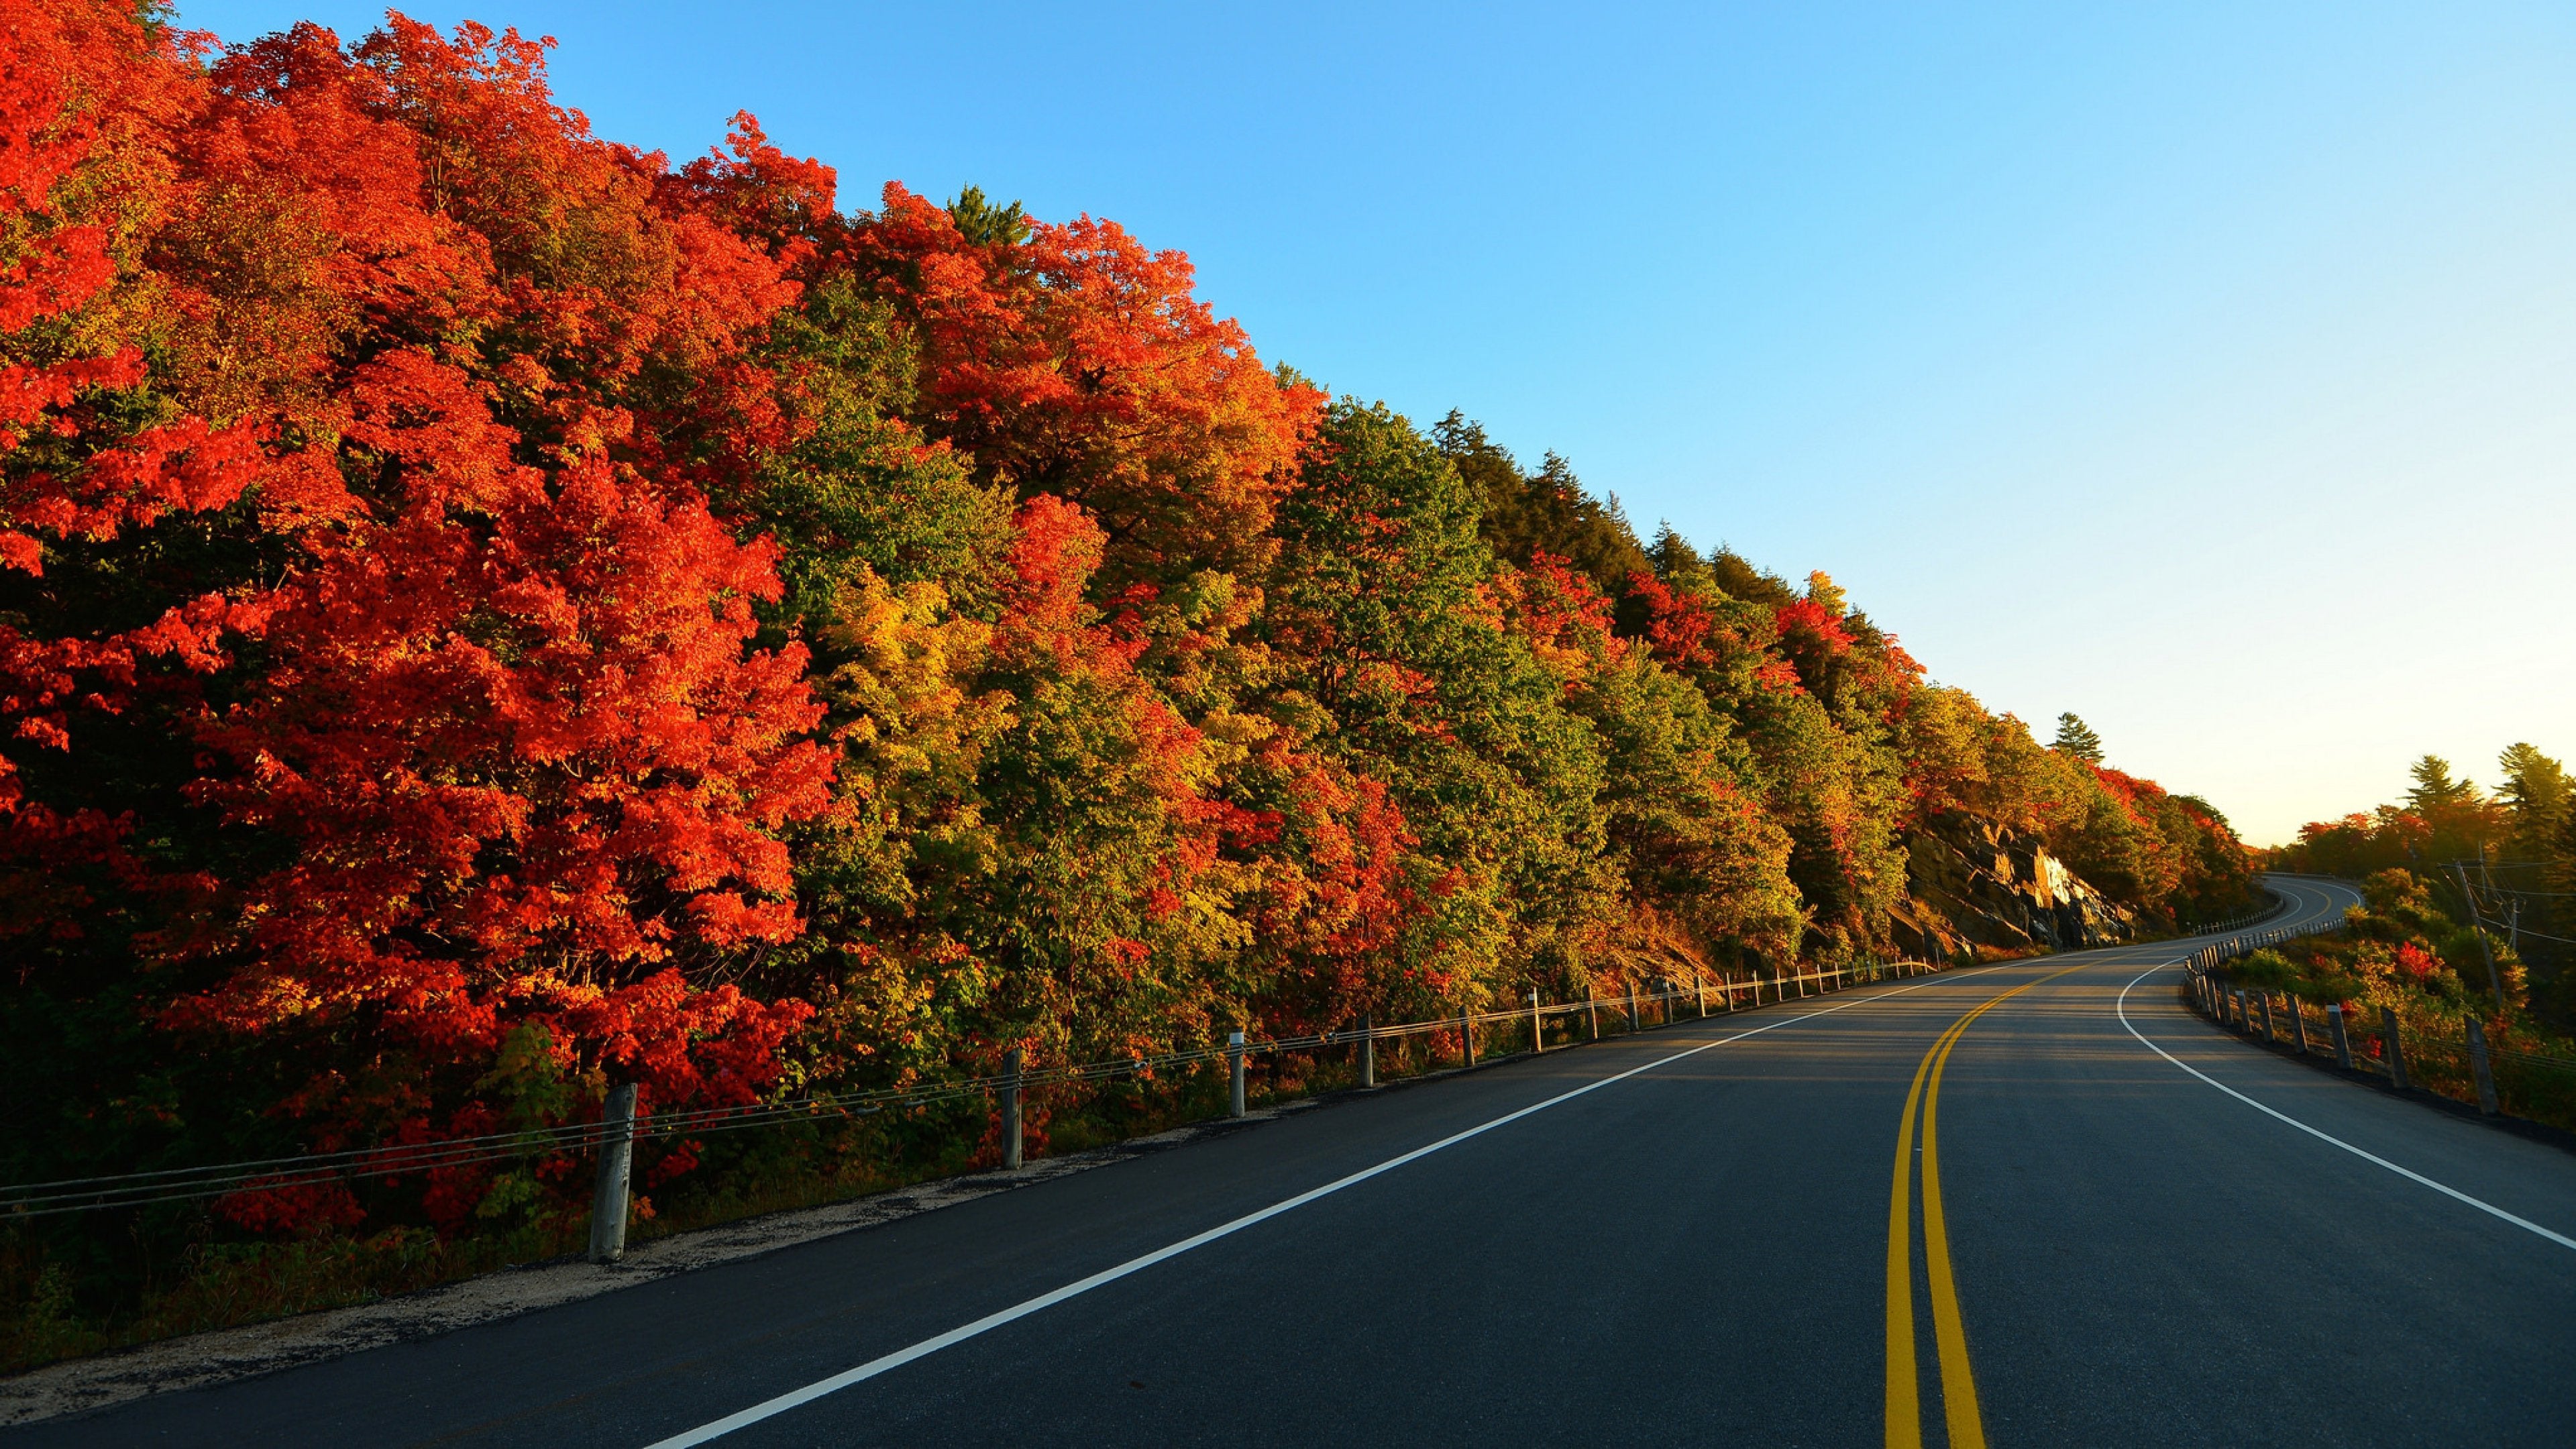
pixel 1949 1335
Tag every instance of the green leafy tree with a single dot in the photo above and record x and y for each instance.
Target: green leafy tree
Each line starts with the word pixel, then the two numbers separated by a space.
pixel 852 492
pixel 1383 598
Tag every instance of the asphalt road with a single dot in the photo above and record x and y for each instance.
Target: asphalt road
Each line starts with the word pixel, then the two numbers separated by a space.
pixel 1707 1242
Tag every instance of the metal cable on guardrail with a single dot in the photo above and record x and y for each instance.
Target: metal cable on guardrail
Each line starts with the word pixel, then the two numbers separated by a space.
pixel 187 1184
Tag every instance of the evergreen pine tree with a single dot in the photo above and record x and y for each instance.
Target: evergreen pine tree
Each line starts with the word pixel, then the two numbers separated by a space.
pixel 2434 787
pixel 2537 789
pixel 984 224
pixel 2076 738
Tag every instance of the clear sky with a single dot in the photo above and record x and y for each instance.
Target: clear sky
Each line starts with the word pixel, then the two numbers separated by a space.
pixel 2208 370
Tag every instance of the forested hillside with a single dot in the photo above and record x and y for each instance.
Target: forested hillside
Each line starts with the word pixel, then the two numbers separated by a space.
pixel 486 612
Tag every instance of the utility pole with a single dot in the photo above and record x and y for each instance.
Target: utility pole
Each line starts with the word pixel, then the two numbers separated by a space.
pixel 2477 923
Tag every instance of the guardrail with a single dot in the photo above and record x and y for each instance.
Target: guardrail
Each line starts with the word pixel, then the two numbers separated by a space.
pixel 614 1135
pixel 2500 1080
pixel 2259 914
pixel 2211 928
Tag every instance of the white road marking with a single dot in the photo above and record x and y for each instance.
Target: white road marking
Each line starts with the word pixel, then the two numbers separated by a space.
pixel 795 1398
pixel 771 1408
pixel 2366 1155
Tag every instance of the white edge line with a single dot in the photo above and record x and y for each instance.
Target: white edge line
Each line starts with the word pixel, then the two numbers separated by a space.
pixel 771 1408
pixel 2366 1155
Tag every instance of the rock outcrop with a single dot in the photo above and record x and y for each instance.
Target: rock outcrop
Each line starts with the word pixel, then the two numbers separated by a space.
pixel 1972 884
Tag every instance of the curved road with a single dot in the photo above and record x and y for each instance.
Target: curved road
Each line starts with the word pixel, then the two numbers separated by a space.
pixel 2077 1215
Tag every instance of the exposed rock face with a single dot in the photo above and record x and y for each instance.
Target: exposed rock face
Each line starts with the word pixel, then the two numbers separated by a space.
pixel 1971 883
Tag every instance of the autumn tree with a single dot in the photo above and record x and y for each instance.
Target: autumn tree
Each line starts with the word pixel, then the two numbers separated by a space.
pixel 1068 359
pixel 1702 870
pixel 1815 692
pixel 506 756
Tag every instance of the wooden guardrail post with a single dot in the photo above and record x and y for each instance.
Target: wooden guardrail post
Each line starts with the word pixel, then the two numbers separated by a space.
pixel 2480 1068
pixel 2393 1046
pixel 616 1162
pixel 1234 1073
pixel 1538 1027
pixel 2298 1025
pixel 1011 1134
pixel 1466 1038
pixel 1368 1052
pixel 2342 1041
pixel 1699 984
pixel 2268 1036
pixel 1632 1004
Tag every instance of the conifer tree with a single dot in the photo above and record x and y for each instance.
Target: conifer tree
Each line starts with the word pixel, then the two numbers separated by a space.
pixel 2075 738
pixel 2537 790
pixel 2434 787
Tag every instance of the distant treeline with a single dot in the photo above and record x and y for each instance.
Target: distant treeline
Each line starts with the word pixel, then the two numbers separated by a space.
pixel 2501 862
pixel 485 612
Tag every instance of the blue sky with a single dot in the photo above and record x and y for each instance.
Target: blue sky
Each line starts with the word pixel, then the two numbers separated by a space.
pixel 2209 370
